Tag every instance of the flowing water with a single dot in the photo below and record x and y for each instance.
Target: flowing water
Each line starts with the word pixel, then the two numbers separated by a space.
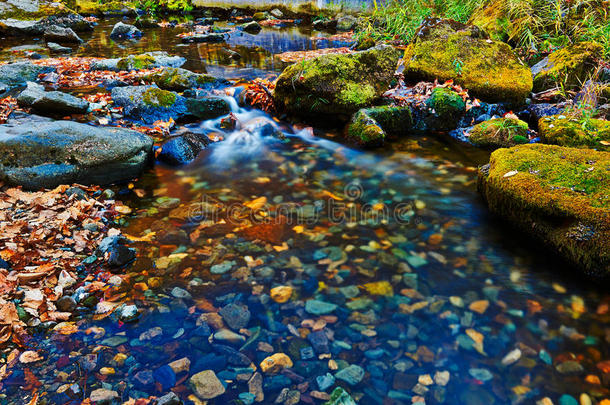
pixel 419 285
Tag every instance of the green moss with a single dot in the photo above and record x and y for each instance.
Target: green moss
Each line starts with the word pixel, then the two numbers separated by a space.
pixel 99 7
pixel 574 132
pixel 489 69
pixel 499 133
pixel 340 397
pixel 158 98
pixel 568 67
pixel 365 131
pixel 356 94
pixel 136 62
pixel 370 126
pixel 446 102
pixel 336 83
pixel 447 108
pixel 561 195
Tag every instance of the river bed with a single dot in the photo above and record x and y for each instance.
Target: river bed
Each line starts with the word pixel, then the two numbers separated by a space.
pixel 403 288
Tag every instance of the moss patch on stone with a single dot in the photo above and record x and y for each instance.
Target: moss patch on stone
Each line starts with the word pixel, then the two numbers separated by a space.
pixel 561 195
pixel 97 7
pixel 499 133
pixel 490 70
pixel 568 67
pixel 155 97
pixel 370 126
pixel 136 62
pixel 178 79
pixel 575 132
pixel 447 107
pixel 336 83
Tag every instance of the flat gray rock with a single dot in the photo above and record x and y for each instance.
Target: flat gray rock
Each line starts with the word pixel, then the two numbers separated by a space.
pixel 51 102
pixel 46 154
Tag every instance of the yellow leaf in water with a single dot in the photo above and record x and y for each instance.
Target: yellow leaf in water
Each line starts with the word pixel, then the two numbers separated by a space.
pixel 123 209
pixel 379 288
pixel 521 390
pixel 333 196
pixel 299 229
pixel 66 328
pixel 262 180
pixel 478 340
pixel 256 204
pixel 146 238
pixel 578 306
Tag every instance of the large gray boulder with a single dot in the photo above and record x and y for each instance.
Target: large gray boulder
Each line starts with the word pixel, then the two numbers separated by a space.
pixel 18 74
pixel 20 27
pixel 125 31
pixel 45 154
pixel 51 102
pixel 62 35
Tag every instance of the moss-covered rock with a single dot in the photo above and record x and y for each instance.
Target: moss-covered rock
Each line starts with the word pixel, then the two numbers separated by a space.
pixel 568 67
pixel 149 103
pixel 560 195
pixel 178 79
pixel 336 83
pixel 446 107
pixel 260 16
pixel 136 62
pixel 499 133
pixel 370 126
pixel 575 132
pixel 490 70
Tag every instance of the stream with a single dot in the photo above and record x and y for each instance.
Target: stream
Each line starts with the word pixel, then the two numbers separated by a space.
pixel 404 288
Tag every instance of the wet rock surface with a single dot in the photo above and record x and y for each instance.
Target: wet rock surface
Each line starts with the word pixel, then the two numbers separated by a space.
pixel 52 153
pixel 336 84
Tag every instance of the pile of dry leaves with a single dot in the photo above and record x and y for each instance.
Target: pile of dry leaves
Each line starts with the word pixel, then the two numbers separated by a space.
pixel 297 56
pixel 44 237
pixel 72 73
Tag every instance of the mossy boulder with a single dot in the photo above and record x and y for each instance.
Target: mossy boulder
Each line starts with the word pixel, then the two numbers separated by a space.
pixel 446 108
pixel 149 103
pixel 260 16
pixel 575 132
pixel 136 62
pixel 336 83
pixel 499 133
pixel 147 60
pixel 560 195
pixel 490 70
pixel 371 126
pixel 568 67
pixel 178 79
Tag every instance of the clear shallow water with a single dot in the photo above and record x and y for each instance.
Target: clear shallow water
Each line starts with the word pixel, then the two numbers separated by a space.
pixel 423 279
